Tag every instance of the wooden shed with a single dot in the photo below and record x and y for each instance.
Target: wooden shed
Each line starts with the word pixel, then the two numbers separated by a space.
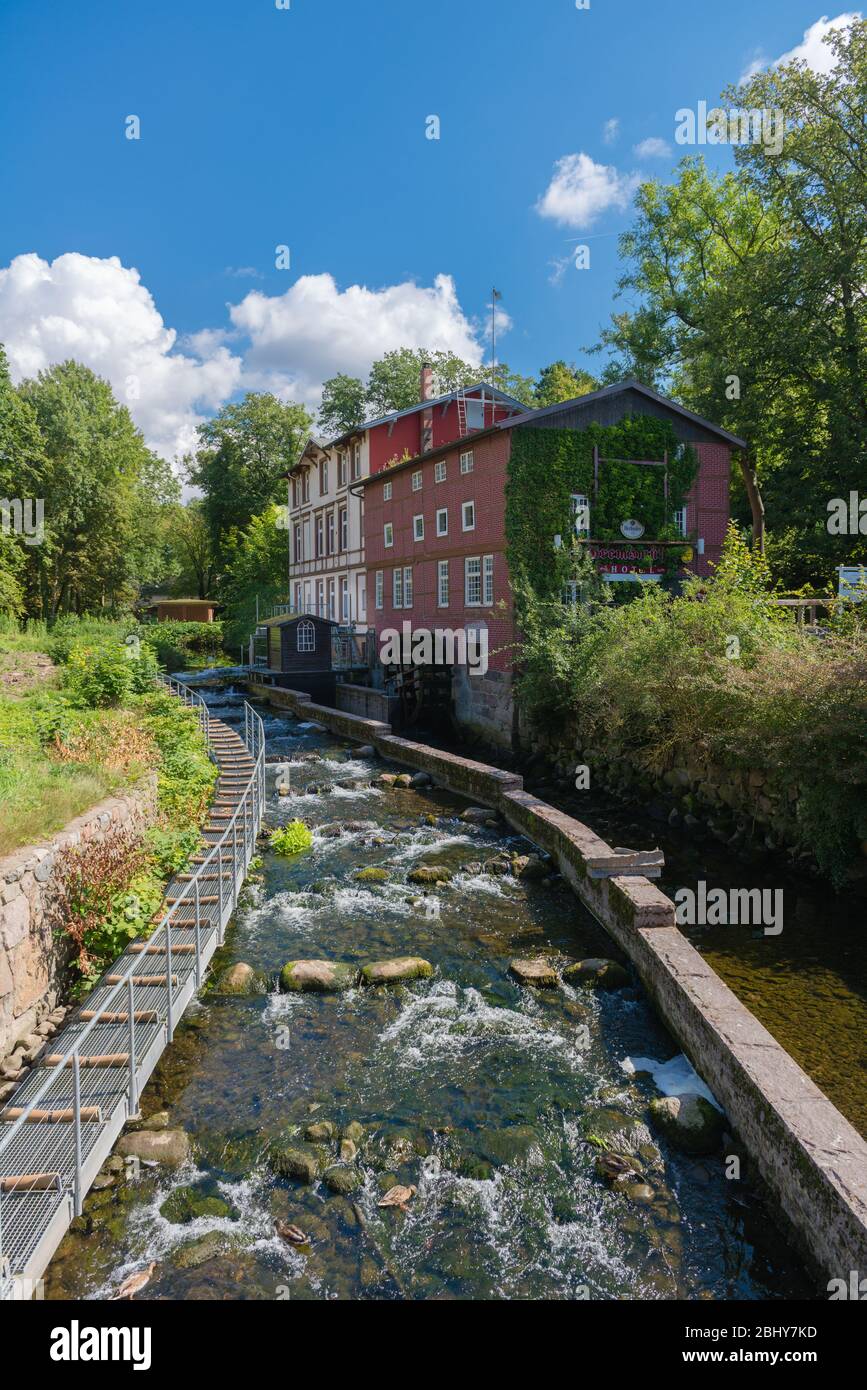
pixel 301 648
pixel 182 610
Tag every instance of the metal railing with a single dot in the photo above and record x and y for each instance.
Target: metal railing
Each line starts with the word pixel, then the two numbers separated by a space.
pixel 50 1142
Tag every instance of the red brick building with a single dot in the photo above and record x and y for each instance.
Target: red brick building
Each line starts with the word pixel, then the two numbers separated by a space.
pixel 434 533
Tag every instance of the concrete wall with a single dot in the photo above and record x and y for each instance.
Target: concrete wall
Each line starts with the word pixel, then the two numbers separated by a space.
pixel 812 1160
pixel 363 700
pixel 32 962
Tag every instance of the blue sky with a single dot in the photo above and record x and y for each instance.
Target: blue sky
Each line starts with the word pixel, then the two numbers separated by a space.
pixel 306 127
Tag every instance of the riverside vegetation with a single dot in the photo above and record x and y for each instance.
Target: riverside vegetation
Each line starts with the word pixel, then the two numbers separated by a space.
pixel 89 725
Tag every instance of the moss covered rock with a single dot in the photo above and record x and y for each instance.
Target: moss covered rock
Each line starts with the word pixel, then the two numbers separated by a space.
pixel 537 972
pixel 383 972
pixel 317 976
pixel 689 1122
pixel 596 973
pixel 430 873
pixel 187 1204
pixel 296 1162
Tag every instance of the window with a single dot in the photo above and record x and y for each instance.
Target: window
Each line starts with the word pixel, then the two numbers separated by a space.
pixel 297 598
pixel 294 492
pixel 323 477
pixel 407 588
pixel 388 535
pixel 442 521
pixel 379 588
pixel 305 485
pixel 330 533
pixel 308 595
pixel 680 521
pixel 467 461
pixel 344 528
pixel 386 492
pixel 488 578
pixel 362 598
pixel 320 598
pixel 332 600
pixel 581 514
pixel 416 481
pixel 418 528
pixel 305 637
pixel 341 469
pixel 344 600
pixel 356 461
pixel 320 536
pixel 397 588
pixel 297 544
pixel 440 471
pixel 473 581
pixel 468 516
pixel 443 584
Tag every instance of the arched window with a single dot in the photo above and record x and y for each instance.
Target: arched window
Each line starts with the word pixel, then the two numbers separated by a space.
pixel 306 637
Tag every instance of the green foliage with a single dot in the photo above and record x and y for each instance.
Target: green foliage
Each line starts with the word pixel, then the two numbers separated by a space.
pixel 659 681
pixel 180 644
pixel 244 453
pixel 547 466
pixel 344 405
pixel 256 566
pixel 291 838
pixel 186 774
pixel 97 677
pixel 562 381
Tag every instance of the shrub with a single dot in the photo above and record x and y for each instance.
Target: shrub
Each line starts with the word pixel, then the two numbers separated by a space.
pixel 291 838
pixel 98 677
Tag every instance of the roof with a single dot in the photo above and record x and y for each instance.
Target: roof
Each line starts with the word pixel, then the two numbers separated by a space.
pixel 284 618
pixel 493 391
pixel 466 441
pixel 630 384
pixel 174 602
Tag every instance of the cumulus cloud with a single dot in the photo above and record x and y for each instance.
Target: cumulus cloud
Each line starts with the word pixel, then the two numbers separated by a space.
pixel 98 312
pixel 581 190
pixel 652 148
pixel 314 329
pixel 811 50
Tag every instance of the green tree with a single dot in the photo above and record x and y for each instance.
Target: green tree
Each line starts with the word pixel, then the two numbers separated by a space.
pixel 343 405
pixel 190 551
pixel 750 299
pixel 256 565
pixel 393 382
pixel 562 381
pixel 103 492
pixel 244 454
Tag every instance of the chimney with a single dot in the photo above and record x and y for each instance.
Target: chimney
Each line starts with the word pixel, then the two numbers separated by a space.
pixel 426 394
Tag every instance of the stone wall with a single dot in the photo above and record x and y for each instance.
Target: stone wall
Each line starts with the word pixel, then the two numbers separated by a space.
pixel 812 1160
pixel 364 700
pixel 483 705
pixel 33 963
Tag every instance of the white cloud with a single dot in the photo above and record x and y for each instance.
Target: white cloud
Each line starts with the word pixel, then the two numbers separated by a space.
pixel 611 130
pixel 811 50
pixel 581 190
pixel 98 312
pixel 314 330
pixel 652 148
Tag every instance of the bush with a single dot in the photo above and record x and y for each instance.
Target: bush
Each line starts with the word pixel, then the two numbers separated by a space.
pixel 291 838
pixel 98 677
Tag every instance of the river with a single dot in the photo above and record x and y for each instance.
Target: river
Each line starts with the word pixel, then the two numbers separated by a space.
pixel 488 1098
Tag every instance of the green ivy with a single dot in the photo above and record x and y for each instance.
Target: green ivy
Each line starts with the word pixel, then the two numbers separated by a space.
pixel 547 466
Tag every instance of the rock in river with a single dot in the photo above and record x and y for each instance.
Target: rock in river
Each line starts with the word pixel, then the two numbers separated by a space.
pixel 170 1147
pixel 689 1122
pixel 596 973
pixel 430 873
pixel 318 976
pixel 342 1180
pixel 383 972
pixel 296 1162
pixel 537 972
pixel 371 875
pixel 240 979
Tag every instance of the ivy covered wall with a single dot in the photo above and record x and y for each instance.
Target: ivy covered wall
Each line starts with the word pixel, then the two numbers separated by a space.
pixel 548 465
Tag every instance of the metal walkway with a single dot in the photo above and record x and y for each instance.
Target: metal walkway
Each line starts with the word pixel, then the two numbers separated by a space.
pixel 59 1126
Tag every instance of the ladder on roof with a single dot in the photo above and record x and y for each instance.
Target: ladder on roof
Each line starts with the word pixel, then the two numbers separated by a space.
pixel 462 413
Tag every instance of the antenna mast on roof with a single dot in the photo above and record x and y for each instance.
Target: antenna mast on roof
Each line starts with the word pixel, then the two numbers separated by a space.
pixel 495 295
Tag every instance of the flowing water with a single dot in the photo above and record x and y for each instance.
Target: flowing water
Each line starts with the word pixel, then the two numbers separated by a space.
pixel 489 1099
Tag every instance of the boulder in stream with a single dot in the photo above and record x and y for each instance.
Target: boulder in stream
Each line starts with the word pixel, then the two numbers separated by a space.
pixel 240 979
pixel 296 1162
pixel 537 972
pixel 596 973
pixel 170 1147
pixel 341 1180
pixel 372 874
pixel 317 976
pixel 430 873
pixel 384 972
pixel 475 815
pixel 689 1122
